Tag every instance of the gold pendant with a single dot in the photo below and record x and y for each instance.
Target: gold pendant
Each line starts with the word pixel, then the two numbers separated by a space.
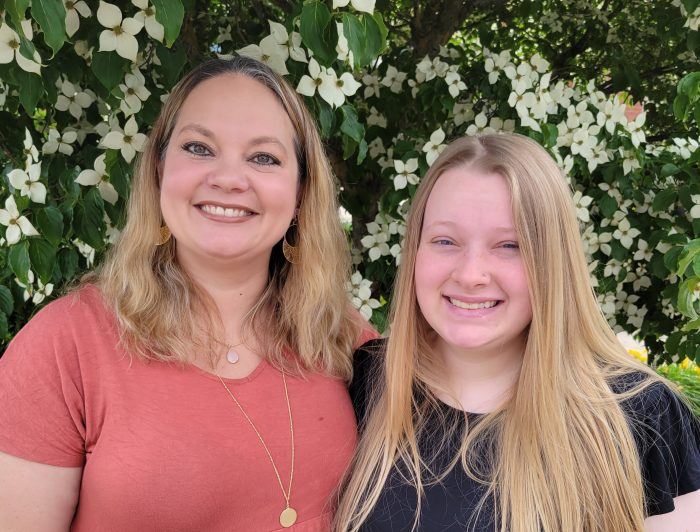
pixel 288 517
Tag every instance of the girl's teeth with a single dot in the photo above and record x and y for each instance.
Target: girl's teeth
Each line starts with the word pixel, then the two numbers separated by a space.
pixel 472 306
pixel 225 213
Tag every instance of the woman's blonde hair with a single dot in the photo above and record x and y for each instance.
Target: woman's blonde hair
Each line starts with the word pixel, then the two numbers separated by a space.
pixel 155 300
pixel 559 454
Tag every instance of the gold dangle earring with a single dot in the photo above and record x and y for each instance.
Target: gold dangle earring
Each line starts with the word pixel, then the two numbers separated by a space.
pixel 164 235
pixel 291 252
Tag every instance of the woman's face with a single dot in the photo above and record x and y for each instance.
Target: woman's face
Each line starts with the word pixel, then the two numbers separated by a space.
pixel 471 283
pixel 229 177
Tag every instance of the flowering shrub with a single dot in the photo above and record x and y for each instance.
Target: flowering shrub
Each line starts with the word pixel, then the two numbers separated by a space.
pixel 390 84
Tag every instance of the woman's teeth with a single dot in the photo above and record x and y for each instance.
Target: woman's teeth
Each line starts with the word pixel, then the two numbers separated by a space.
pixel 215 210
pixel 472 306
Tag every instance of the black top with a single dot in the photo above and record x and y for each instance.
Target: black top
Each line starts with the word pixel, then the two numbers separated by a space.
pixel 666 432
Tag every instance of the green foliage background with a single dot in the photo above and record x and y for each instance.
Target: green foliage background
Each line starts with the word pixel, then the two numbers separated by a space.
pixel 560 71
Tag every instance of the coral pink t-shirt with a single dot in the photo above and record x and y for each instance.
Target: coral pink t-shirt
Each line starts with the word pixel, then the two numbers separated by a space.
pixel 163 447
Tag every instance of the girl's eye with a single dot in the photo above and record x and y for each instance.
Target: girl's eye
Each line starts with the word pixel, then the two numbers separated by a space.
pixel 510 245
pixel 443 242
pixel 196 148
pixel 265 159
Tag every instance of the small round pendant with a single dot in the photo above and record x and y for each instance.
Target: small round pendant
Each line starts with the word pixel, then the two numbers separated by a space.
pixel 288 517
pixel 232 356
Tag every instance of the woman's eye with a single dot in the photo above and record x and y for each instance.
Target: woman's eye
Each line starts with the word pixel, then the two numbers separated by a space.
pixel 443 241
pixel 510 245
pixel 196 148
pixel 264 159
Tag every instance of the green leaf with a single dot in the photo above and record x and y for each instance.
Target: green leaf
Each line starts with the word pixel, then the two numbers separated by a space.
pixel 363 35
pixel 664 199
pixel 383 30
pixel 685 299
pixel 50 221
pixel 689 85
pixel 671 258
pixel 694 41
pixel 688 255
pixel 31 89
pixel 88 221
pixel 109 68
pixel 172 61
pixel 349 147
pixel 691 326
pixel 68 262
pixel 669 169
pixel 607 205
pixel 17 9
pixel 42 256
pixel 4 328
pixel 7 302
pixel 314 23
pixel 18 258
pixel 326 118
pixel 696 265
pixel 51 16
pixel 350 125
pixel 680 106
pixel 691 5
pixel 170 14
pixel 362 151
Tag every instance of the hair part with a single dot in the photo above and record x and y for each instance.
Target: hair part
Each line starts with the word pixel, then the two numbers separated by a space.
pixel 164 314
pixel 559 454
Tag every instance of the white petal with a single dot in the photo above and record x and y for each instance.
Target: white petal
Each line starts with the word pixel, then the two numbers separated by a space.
pixel 279 32
pixel 138 141
pixel 132 26
pixel 252 50
pixel 17 178
pixel 363 5
pixel 82 8
pixel 155 29
pixel 26 226
pixel 350 85
pixel 5 217
pixel 37 193
pixel 340 3
pixel 69 137
pixel 66 149
pixel 11 207
pixel 88 177
pixel 109 15
pixel 108 41
pixel 131 128
pixel 276 63
pixel 128 152
pixel 314 68
pixel 100 164
pixel 12 234
pixel 127 46
pixel 306 86
pixel 113 140
pixel 27 64
pixel 108 192
pixel 72 22
pixel 141 4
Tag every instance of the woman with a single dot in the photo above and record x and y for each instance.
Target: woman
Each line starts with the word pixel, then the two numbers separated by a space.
pixel 502 399
pixel 186 386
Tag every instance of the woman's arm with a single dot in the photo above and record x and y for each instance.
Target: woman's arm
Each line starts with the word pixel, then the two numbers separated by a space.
pixel 685 518
pixel 37 497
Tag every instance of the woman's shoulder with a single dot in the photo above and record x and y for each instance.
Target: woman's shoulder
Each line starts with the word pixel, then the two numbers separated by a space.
pixel 667 435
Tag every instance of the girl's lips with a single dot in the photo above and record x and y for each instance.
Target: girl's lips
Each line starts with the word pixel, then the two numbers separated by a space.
pixel 473 310
pixel 224 214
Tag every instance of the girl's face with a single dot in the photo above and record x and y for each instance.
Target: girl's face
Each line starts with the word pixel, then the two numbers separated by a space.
pixel 229 176
pixel 471 283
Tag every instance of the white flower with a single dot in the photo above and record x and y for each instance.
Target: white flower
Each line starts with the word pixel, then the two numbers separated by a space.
pixel 16 224
pixel 463 112
pixel 9 50
pixel 360 5
pixel 38 294
pixel 376 148
pixel 72 99
pixel 495 63
pixel 343 47
pixel 28 184
pixel 427 69
pixel 393 79
pixel 375 118
pixel 371 85
pixel 581 203
pixel 30 152
pixel 635 128
pixel 128 141
pixel 643 252
pixel 376 240
pixel 135 92
pixel 360 292
pixel 434 147
pixel 629 161
pixel 73 9
pixel 331 88
pixel 624 233
pixel 270 52
pixel 454 83
pixel 405 173
pixel 540 64
pixel 480 122
pixel 695 210
pixel 120 33
pixel 147 17
pixel 61 143
pixel 98 177
pixel 521 77
pixel 610 115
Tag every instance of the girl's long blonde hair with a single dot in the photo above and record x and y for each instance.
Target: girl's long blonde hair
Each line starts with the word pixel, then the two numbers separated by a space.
pixel 163 314
pixel 559 455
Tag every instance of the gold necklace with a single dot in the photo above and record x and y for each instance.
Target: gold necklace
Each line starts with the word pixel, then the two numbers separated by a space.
pixel 289 515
